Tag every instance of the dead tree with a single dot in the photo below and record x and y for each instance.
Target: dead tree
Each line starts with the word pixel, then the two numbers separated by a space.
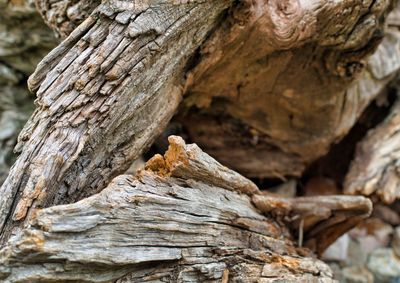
pixel 265 87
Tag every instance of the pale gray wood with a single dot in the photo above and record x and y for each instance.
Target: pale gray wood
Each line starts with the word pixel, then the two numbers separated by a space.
pixel 159 227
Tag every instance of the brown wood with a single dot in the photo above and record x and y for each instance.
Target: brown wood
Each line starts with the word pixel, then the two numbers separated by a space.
pixel 267 87
pixel 281 82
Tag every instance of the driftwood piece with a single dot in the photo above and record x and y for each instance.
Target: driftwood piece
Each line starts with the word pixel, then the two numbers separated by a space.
pixel 104 94
pixel 375 169
pixel 158 227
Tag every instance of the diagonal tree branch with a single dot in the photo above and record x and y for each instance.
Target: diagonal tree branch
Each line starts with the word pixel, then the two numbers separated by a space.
pixel 103 94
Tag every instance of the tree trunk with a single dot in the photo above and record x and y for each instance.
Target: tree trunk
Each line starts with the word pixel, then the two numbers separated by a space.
pixel 265 87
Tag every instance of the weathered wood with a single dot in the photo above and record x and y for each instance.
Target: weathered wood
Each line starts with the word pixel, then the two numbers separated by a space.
pixel 318 220
pixel 284 80
pixel 110 88
pixel 103 94
pixel 190 162
pixel 158 227
pixel 271 80
pixel 63 16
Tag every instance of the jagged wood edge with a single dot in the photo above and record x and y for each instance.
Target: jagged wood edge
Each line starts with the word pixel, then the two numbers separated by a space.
pixel 158 226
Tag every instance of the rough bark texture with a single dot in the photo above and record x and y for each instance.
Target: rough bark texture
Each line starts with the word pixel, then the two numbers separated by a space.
pixel 111 87
pixel 273 90
pixel 63 16
pixel 164 226
pixel 103 95
pixel 267 87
